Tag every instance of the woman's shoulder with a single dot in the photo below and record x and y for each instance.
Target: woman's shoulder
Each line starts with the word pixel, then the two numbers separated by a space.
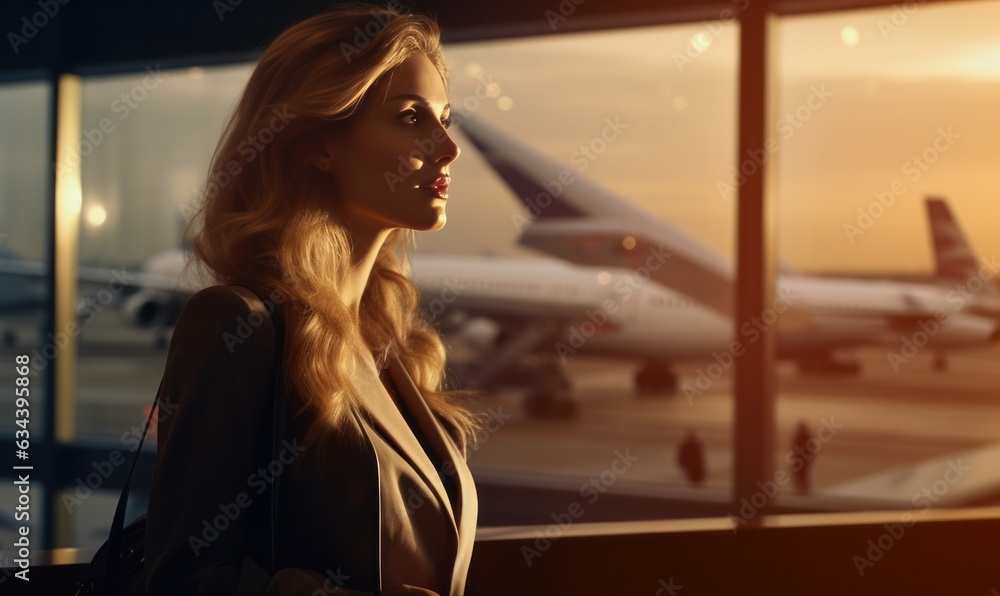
pixel 235 313
pixel 227 299
pixel 222 296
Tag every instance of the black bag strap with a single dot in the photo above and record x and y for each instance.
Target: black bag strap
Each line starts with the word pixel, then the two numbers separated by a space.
pixel 115 535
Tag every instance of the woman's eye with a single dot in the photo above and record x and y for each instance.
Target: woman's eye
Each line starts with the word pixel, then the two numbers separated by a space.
pixel 411 117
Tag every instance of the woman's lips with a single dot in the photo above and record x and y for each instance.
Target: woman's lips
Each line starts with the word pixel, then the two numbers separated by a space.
pixel 439 186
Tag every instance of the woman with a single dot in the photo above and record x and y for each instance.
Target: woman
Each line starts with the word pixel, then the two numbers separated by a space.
pixel 335 154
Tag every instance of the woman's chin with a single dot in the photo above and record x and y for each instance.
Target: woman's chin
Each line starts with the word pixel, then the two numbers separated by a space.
pixel 435 223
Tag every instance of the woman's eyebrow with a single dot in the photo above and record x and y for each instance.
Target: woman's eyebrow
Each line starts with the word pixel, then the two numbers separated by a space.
pixel 420 99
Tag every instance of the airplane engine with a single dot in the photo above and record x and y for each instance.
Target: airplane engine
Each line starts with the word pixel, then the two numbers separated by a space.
pixel 480 333
pixel 958 330
pixel 146 309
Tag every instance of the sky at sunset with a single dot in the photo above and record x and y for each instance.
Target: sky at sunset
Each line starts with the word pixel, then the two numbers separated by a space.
pixel 885 87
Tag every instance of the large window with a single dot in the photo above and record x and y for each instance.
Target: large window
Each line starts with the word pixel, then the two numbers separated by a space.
pixel 888 138
pixel 638 124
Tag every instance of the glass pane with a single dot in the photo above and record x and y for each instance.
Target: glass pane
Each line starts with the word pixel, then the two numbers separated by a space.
pixel 24 188
pixel 147 142
pixel 589 160
pixel 887 214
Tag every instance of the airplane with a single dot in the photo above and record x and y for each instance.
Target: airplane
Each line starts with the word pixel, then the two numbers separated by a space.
pixel 573 218
pixel 150 296
pixel 23 295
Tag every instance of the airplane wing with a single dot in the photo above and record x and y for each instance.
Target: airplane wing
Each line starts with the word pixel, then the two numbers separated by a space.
pixel 907 486
pixel 457 292
pixel 89 275
pixel 21 268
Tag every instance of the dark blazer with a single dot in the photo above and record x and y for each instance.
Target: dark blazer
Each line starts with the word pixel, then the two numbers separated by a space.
pixel 379 516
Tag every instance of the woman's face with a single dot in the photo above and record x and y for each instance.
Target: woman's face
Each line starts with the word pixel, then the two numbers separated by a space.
pixel 389 169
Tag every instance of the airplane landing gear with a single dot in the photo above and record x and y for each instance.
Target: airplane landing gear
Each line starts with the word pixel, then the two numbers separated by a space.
pixel 553 398
pixel 160 340
pixel 9 339
pixel 655 378
pixel 546 406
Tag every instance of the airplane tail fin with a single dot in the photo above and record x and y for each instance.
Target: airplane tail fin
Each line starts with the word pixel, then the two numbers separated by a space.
pixel 953 257
pixel 548 189
pixel 575 219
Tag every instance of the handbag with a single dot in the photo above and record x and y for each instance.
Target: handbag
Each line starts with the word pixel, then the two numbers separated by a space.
pixel 118 566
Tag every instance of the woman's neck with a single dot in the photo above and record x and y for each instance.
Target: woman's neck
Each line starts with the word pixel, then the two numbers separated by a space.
pixel 365 249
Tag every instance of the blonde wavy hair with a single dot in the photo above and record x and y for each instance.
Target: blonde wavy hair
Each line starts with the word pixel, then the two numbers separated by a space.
pixel 266 227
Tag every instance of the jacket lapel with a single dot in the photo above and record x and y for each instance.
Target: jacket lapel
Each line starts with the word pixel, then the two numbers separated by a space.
pixel 387 419
pixel 467 501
